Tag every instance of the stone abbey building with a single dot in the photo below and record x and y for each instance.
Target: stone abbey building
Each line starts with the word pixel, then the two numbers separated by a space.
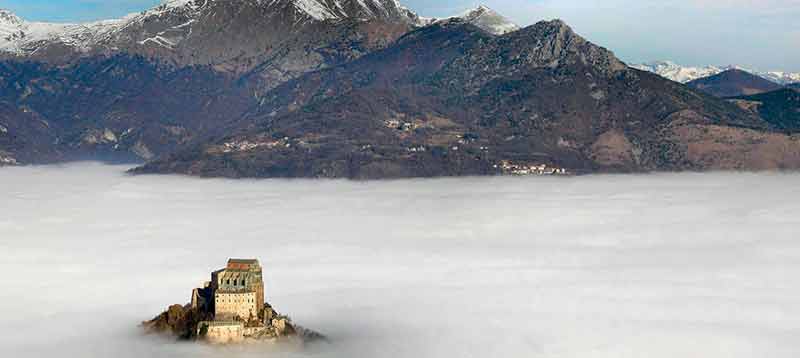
pixel 235 299
pixel 234 293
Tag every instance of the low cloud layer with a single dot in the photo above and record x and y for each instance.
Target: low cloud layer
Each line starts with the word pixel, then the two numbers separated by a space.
pixel 692 265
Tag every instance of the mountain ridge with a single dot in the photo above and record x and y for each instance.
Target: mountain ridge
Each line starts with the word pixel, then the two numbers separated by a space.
pixel 361 89
pixel 684 74
pixel 539 97
pixel 733 83
pixel 170 23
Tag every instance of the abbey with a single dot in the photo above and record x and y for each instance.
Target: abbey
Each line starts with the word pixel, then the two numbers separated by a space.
pixel 234 300
pixel 234 293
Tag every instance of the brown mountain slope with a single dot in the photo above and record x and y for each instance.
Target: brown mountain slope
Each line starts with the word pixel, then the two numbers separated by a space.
pixel 733 83
pixel 451 99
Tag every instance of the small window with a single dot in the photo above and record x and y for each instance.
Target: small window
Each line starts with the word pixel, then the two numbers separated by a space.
pixel 243 282
pixel 234 282
pixel 228 282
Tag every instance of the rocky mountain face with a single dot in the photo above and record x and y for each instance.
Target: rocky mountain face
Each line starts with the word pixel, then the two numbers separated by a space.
pixel 541 96
pixel 733 83
pixel 684 74
pixel 781 108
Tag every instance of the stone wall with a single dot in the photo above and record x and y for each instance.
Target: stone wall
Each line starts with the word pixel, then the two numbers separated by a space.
pixel 217 332
pixel 229 305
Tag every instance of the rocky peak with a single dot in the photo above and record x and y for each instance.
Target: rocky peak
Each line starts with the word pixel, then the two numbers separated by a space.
pixel 554 43
pixel 9 18
pixel 10 27
pixel 361 9
pixel 489 20
pixel 319 10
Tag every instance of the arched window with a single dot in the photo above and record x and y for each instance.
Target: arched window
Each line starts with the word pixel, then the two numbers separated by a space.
pixel 228 282
pixel 234 282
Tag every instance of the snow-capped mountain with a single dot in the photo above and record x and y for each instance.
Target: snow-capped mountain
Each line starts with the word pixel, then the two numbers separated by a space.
pixel 781 77
pixel 684 74
pixel 489 20
pixel 21 37
pixel 172 22
pixel 165 27
pixel 678 73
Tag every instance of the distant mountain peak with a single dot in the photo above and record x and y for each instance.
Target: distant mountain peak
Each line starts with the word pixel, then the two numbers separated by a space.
pixel 684 74
pixel 489 20
pixel 8 17
pixel 361 9
pixel 481 10
pixel 10 28
pixel 555 43
pixel 734 82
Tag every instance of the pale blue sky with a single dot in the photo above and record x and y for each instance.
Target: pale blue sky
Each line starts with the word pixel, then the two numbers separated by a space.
pixel 760 34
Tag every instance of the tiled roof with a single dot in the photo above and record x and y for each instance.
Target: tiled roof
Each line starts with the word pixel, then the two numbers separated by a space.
pixel 243 261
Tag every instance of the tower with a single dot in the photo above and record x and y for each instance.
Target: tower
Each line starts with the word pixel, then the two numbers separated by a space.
pixel 238 290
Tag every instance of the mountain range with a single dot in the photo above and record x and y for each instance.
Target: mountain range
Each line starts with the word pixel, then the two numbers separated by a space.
pixel 356 89
pixel 684 74
pixel 732 83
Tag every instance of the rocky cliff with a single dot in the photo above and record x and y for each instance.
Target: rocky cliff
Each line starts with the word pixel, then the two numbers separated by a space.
pixel 184 323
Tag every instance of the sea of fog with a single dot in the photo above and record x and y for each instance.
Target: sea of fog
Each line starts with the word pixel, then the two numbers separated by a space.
pixel 679 265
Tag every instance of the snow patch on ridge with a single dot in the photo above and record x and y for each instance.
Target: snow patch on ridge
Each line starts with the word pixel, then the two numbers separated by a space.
pixel 315 9
pixel 489 20
pixel 482 17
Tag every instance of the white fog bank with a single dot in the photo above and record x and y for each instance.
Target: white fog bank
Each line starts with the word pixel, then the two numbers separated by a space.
pixel 683 265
